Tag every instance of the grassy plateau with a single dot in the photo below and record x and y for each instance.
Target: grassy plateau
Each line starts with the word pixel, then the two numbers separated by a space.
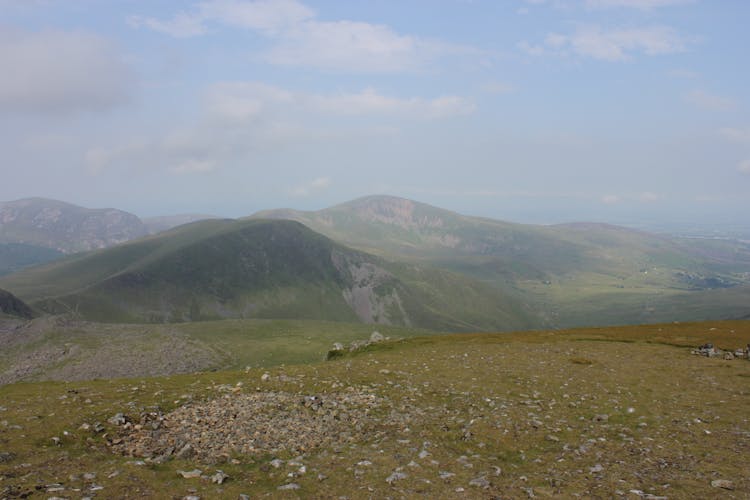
pixel 623 412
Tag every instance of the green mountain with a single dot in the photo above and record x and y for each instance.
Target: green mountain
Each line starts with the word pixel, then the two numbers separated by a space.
pixel 572 274
pixel 217 269
pixel 10 305
pixel 65 227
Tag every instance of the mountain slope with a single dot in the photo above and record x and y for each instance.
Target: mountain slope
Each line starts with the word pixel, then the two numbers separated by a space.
pixel 165 222
pixel 65 227
pixel 264 269
pixel 16 256
pixel 612 273
pixel 11 305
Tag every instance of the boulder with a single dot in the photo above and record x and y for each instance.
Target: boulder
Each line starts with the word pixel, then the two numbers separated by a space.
pixel 376 337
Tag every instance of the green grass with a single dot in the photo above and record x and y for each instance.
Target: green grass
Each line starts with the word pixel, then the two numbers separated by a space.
pixel 476 396
pixel 276 342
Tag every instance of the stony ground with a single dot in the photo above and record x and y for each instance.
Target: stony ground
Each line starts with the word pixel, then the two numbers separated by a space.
pixel 62 349
pixel 623 413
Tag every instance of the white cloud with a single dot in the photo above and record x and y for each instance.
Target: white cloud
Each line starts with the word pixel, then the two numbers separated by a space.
pixel 60 72
pixel 241 119
pixel 648 197
pixel 98 159
pixel 193 166
pixel 609 45
pixel 242 101
pixel 739 135
pixel 302 40
pixel 684 74
pixel 744 166
pixel 267 16
pixel 637 4
pixel 707 101
pixel 498 88
pixel 618 44
pixel 370 102
pixel 180 152
pixel 182 25
pixel 532 50
pixel 354 46
pixel 610 199
pixel 245 101
pixel 311 187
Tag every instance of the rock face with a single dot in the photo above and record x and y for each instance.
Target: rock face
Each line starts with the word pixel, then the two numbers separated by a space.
pixel 13 306
pixel 65 227
pixel 372 292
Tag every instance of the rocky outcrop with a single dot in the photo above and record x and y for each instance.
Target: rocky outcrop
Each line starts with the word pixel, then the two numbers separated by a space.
pixel 710 351
pixel 372 292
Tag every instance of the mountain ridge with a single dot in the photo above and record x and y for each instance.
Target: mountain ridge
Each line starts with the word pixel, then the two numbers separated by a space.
pixel 574 272
pixel 260 268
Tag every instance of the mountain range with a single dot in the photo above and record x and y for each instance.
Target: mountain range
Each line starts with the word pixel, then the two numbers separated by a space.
pixel 380 259
pixel 572 274
pixel 218 269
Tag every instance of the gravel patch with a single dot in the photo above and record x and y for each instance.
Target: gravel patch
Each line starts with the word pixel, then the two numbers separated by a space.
pixel 257 424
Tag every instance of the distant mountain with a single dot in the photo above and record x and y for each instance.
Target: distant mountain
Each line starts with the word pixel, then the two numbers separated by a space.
pixel 572 274
pixel 16 256
pixel 65 227
pixel 261 269
pixel 162 223
pixel 10 305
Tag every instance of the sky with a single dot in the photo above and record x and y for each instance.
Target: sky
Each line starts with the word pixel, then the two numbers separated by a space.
pixel 623 111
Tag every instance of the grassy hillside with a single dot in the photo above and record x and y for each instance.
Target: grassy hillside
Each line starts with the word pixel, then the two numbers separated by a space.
pixel 573 414
pixel 571 274
pixel 260 269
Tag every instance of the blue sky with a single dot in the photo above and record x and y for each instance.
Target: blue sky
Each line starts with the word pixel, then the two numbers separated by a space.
pixel 627 111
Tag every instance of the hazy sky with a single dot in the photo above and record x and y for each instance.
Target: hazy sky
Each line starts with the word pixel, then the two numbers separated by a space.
pixel 528 110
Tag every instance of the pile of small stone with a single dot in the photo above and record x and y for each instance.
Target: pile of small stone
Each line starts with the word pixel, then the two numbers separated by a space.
pixel 252 424
pixel 708 350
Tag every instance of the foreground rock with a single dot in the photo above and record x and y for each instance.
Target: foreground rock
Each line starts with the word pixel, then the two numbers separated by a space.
pixel 255 424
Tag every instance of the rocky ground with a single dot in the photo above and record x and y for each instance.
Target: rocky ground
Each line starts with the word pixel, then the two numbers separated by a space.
pixel 63 349
pixel 602 415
